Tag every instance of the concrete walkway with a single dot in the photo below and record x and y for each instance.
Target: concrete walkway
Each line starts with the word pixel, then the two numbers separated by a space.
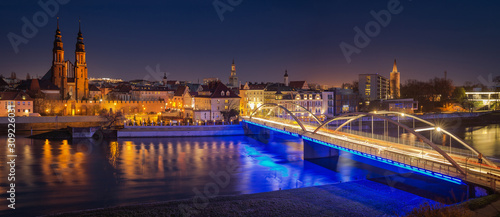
pixel 492 209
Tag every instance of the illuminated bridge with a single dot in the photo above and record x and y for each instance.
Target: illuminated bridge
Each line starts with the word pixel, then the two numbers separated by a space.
pixel 393 138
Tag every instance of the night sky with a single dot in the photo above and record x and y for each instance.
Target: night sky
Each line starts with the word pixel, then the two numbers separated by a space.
pixel 188 40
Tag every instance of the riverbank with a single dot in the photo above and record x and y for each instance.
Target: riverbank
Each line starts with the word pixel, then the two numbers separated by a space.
pixel 180 131
pixel 52 122
pixel 358 198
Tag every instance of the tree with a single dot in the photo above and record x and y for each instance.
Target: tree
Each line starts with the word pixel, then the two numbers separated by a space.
pixel 442 90
pixel 459 95
pixel 437 92
pixel 111 117
pixel 229 114
pixel 231 110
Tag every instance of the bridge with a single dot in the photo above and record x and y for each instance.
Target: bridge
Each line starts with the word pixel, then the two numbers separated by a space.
pixel 394 138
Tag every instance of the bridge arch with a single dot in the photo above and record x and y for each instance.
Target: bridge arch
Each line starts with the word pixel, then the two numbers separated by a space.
pixel 309 112
pixel 274 105
pixel 475 151
pixel 408 129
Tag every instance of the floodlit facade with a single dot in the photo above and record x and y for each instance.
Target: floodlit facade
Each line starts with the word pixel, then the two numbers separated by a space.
pixel 395 83
pixel 373 87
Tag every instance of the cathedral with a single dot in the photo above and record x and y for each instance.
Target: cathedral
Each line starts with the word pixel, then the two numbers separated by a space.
pixel 71 79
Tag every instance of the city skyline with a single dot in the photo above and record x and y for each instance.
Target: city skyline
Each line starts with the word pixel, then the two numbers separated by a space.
pixel 123 40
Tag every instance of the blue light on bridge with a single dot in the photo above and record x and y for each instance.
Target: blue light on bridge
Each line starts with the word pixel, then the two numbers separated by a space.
pixel 373 157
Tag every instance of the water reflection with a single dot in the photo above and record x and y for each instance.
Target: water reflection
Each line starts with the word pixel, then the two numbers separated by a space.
pixel 484 138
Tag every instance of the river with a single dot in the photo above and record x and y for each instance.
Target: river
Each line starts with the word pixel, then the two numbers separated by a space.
pixel 58 176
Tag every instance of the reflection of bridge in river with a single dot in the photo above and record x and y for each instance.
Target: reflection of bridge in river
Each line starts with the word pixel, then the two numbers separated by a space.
pixel 414 148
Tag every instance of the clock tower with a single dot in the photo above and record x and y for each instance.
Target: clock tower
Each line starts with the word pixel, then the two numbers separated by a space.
pixel 233 80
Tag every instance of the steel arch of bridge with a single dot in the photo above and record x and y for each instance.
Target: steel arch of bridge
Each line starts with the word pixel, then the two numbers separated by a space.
pixel 475 151
pixel 418 135
pixel 285 109
pixel 349 117
pixel 309 112
pixel 362 114
pixel 288 111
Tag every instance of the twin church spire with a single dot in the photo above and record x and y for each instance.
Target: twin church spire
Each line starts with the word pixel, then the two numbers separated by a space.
pixel 71 79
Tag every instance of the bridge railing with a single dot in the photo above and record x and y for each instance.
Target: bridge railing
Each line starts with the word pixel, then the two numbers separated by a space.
pixel 439 167
pixel 411 142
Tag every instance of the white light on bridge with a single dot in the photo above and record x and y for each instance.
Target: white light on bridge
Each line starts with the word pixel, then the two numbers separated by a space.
pixel 425 129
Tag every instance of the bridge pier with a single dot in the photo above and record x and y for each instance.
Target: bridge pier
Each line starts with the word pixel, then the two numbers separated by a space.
pixel 313 150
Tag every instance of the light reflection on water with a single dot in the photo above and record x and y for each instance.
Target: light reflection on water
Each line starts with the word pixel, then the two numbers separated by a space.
pixel 57 176
pixel 486 139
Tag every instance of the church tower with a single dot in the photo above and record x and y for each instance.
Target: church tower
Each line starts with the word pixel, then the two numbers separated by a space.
pixel 286 78
pixel 395 82
pixel 233 80
pixel 81 77
pixel 164 80
pixel 59 69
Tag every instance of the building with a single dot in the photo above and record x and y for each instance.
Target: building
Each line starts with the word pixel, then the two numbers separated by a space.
pixel 484 99
pixel 395 82
pixel 3 85
pixel 211 107
pixel 298 85
pixel 71 79
pixel 35 87
pixel 276 88
pixel 20 102
pixel 252 96
pixel 151 93
pixel 373 87
pixel 285 78
pixel 94 92
pixel 297 101
pixel 233 80
pixel 164 80
pixel 207 81
pixel 400 105
pixel 337 101
pixel 122 92
pixel 182 99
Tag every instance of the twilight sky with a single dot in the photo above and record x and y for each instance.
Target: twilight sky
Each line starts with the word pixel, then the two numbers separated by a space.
pixel 188 40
